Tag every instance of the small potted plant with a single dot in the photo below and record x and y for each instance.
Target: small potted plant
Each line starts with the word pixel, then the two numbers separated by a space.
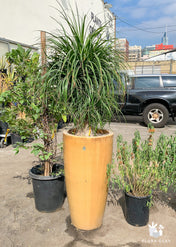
pixel 33 110
pixel 86 65
pixel 139 171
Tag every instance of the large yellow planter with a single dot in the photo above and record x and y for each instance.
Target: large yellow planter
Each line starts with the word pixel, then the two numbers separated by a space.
pixel 85 164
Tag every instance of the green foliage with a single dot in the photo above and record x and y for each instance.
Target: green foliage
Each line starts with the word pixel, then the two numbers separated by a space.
pixel 26 63
pixel 61 172
pixel 84 66
pixel 39 150
pixel 166 147
pixel 19 145
pixel 144 167
pixel 34 105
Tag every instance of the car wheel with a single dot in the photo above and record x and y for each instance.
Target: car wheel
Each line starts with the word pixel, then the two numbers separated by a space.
pixel 156 114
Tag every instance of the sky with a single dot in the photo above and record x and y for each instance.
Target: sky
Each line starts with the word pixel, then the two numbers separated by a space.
pixel 143 22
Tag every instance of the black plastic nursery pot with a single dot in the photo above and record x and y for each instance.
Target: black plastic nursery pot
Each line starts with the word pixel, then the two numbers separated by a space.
pixel 3 71
pixel 137 210
pixel 3 127
pixel 15 138
pixel 49 191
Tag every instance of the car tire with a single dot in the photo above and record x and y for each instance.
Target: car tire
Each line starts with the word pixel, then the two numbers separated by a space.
pixel 156 114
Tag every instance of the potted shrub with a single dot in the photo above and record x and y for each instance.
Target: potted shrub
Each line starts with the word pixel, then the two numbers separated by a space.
pixel 33 111
pixel 86 65
pixel 6 81
pixel 3 88
pixel 139 171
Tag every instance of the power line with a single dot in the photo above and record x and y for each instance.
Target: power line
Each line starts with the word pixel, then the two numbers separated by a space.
pixel 141 29
pixel 153 28
pixel 146 29
pixel 169 31
pixel 161 27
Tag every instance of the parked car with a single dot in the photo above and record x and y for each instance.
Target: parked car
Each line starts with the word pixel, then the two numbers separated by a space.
pixel 152 96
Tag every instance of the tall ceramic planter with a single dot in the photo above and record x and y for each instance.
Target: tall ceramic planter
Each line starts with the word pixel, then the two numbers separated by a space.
pixel 85 164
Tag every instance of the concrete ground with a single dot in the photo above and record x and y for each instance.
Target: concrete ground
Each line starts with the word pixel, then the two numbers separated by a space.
pixel 21 225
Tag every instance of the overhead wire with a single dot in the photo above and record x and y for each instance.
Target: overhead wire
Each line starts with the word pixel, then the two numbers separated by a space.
pixel 141 29
pixel 154 28
pixel 144 29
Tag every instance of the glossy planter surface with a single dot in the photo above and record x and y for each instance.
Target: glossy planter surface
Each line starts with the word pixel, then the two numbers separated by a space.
pixel 49 191
pixel 137 210
pixel 85 163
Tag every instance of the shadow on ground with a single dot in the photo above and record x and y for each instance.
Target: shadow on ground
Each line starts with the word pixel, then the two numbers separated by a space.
pixel 85 237
pixel 168 198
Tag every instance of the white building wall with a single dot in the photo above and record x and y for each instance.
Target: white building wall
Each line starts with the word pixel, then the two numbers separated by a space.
pixel 111 26
pixel 22 20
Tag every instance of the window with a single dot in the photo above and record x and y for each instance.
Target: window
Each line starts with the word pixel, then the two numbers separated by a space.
pixel 3 49
pixel 147 82
pixel 169 81
pixel 7 45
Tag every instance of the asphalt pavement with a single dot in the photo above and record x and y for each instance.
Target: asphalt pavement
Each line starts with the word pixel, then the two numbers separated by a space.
pixel 21 225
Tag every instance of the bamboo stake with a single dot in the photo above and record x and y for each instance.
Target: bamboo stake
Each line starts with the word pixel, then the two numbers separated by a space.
pixel 43 51
pixel 43 56
pixel 47 169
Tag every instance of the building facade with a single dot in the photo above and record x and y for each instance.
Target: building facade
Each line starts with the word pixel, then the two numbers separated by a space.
pixel 155 50
pixel 163 47
pixel 123 46
pixel 134 53
pixel 22 21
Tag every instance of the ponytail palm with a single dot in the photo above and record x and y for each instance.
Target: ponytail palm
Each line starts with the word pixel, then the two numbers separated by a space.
pixel 84 67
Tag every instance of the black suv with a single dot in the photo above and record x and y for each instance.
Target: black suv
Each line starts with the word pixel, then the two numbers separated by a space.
pixel 152 96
